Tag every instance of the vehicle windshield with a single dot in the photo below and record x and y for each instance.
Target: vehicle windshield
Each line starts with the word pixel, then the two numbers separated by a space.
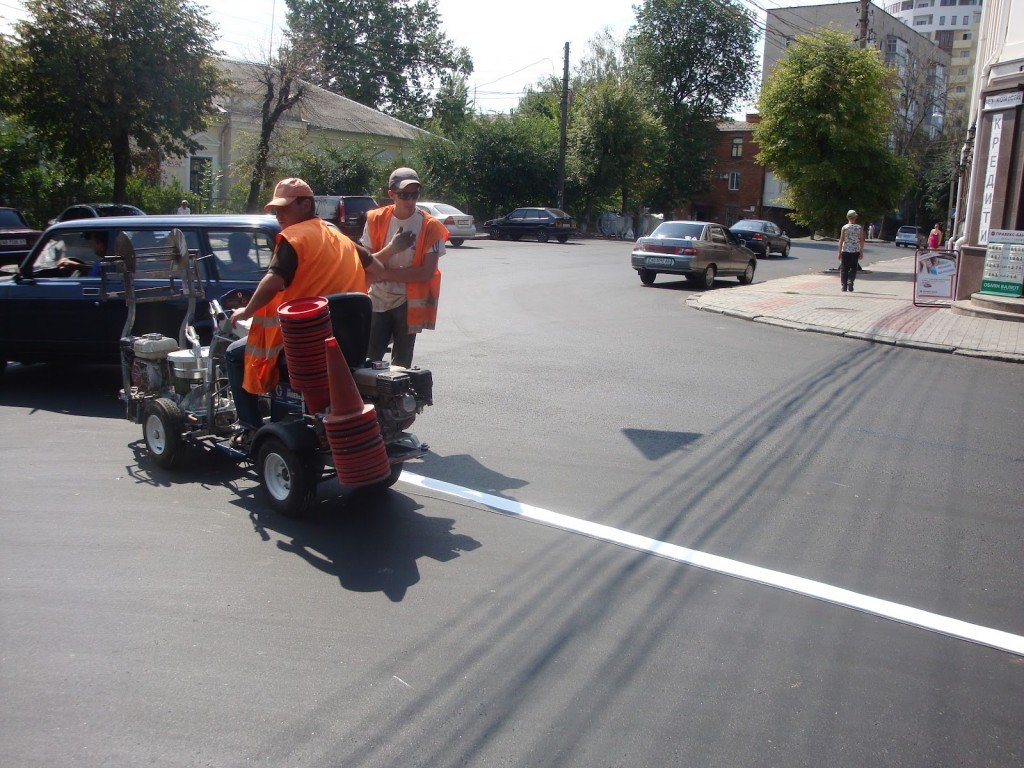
pixel 749 224
pixel 684 230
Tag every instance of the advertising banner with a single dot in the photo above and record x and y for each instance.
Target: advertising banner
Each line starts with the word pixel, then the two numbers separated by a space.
pixel 935 277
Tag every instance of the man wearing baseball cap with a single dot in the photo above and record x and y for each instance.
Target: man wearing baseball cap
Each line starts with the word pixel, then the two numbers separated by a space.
pixel 311 258
pixel 405 294
pixel 851 248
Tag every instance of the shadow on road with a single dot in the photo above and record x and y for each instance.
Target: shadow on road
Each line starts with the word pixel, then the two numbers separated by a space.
pixel 370 542
pixel 77 390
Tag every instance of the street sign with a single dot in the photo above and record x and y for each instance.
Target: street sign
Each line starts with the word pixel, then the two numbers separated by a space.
pixel 1004 263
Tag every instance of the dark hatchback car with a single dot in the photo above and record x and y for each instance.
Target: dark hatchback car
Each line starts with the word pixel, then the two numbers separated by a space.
pixel 53 309
pixel 16 236
pixel 346 212
pixel 762 237
pixel 542 223
pixel 95 211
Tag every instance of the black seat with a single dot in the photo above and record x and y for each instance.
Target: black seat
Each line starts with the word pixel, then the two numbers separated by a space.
pixel 350 318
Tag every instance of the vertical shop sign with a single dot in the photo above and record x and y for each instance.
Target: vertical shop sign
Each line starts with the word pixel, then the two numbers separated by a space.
pixel 989 192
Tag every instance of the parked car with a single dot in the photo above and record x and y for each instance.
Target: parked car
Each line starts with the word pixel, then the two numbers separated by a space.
pixel 762 237
pixel 542 223
pixel 459 225
pixel 346 212
pixel 910 237
pixel 700 251
pixel 53 308
pixel 95 211
pixel 16 236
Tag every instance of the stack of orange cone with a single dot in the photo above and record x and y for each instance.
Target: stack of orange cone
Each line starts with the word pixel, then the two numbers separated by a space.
pixel 353 431
pixel 305 324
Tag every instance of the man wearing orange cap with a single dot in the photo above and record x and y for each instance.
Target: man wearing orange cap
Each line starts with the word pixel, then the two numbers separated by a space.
pixel 311 258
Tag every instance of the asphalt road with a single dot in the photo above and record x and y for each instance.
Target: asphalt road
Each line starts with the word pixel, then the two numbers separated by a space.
pixel 170 620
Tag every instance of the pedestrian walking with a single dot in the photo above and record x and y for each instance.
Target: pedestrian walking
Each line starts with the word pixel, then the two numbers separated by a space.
pixel 935 238
pixel 851 248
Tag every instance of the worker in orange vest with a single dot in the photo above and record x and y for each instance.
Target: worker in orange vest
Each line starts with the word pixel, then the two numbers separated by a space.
pixel 405 294
pixel 311 258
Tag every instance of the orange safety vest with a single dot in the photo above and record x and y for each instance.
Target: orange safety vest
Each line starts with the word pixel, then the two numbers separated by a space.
pixel 328 263
pixel 421 298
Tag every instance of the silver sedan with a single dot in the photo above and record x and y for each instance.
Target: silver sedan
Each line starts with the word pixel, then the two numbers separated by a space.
pixel 459 225
pixel 700 251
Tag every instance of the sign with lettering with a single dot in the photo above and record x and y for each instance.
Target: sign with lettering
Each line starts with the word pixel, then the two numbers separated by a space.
pixel 989 191
pixel 1003 101
pixel 1004 263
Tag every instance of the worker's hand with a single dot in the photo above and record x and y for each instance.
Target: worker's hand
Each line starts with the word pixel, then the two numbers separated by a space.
pixel 239 315
pixel 401 241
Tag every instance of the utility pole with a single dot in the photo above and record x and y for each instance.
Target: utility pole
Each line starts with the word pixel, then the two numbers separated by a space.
pixel 565 119
pixel 864 4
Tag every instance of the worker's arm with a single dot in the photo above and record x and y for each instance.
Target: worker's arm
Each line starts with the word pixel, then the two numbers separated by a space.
pixel 271 285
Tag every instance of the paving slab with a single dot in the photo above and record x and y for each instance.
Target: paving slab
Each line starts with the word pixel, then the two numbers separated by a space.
pixel 881 309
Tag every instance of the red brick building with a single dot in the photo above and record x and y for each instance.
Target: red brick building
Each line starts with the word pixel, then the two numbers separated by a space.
pixel 741 188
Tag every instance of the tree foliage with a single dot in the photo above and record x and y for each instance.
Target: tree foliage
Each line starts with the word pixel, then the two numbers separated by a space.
pixel 386 54
pixel 695 61
pixel 826 115
pixel 95 78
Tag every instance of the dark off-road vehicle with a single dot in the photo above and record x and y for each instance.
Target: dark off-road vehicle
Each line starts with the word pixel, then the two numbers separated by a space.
pixel 346 212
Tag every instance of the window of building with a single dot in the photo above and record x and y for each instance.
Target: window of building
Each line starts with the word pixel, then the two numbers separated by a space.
pixel 966 2
pixel 947 2
pixel 952 20
pixel 967 36
pixel 925 4
pixel 907 5
pixel 961 89
pixel 734 180
pixel 965 54
pixel 737 147
pixel 922 21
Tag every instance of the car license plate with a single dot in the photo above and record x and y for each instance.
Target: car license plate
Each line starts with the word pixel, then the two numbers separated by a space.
pixel 659 261
pixel 14 242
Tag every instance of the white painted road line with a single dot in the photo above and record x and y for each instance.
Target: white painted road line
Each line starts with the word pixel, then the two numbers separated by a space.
pixel 994 638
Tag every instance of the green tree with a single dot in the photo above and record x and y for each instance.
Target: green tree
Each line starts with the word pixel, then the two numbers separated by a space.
pixel 826 115
pixel 386 54
pixel 613 142
pixel 694 61
pixel 95 78
pixel 453 109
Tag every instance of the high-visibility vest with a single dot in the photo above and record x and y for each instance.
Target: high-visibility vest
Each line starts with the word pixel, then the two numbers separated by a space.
pixel 328 263
pixel 421 298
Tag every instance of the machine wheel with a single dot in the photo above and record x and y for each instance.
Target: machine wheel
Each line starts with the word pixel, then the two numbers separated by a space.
pixel 748 274
pixel 563 238
pixel 288 478
pixel 542 236
pixel 647 276
pixel 707 279
pixel 456 242
pixel 161 429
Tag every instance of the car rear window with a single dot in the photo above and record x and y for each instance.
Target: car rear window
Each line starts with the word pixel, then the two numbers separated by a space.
pixel 359 205
pixel 908 230
pixel 9 218
pixel 758 226
pixel 680 229
pixel 448 210
pixel 558 213
pixel 117 210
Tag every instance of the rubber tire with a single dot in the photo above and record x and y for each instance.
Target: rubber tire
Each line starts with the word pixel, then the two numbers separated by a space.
pixel 563 238
pixel 542 236
pixel 162 426
pixel 744 279
pixel 383 485
pixel 707 279
pixel 785 251
pixel 455 242
pixel 288 479
pixel 647 276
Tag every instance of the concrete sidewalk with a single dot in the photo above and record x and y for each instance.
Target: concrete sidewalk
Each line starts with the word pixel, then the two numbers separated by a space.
pixel 881 309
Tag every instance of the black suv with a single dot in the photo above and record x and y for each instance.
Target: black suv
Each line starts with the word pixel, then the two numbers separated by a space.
pixel 542 223
pixel 346 212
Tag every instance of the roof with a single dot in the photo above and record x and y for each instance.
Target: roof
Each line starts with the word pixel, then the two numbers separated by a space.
pixel 168 221
pixel 322 108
